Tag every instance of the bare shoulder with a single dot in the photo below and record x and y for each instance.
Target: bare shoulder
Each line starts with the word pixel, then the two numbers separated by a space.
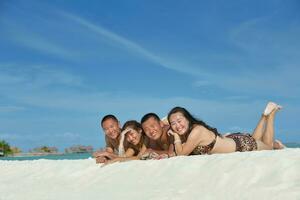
pixel 199 130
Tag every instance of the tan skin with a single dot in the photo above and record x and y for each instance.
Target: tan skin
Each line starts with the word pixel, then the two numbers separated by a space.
pixel 111 129
pixel 133 136
pixel 202 136
pixel 157 131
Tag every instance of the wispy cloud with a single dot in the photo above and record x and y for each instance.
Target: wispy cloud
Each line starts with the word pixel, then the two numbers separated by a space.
pixel 259 35
pixel 31 86
pixel 268 60
pixel 129 45
pixel 253 76
pixel 36 76
pixel 32 39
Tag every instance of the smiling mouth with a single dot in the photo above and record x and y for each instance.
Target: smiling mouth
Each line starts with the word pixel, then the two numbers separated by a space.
pixel 134 141
pixel 153 134
pixel 114 134
pixel 181 129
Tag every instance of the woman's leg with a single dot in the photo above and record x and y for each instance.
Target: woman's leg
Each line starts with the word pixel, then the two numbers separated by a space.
pixel 265 137
pixel 259 133
pixel 268 137
pixel 278 145
pixel 267 141
pixel 259 130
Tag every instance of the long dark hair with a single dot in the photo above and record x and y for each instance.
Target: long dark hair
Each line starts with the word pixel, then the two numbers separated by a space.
pixel 192 120
pixel 132 124
pixel 136 126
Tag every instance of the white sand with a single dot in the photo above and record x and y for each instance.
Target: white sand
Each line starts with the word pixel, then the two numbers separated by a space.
pixel 251 175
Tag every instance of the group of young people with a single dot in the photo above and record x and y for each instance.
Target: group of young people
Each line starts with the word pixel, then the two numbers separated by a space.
pixel 180 133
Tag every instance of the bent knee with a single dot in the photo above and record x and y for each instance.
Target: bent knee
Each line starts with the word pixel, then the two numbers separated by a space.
pixel 263 146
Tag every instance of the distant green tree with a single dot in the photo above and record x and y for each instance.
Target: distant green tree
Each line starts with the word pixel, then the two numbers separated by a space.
pixel 5 148
pixel 45 149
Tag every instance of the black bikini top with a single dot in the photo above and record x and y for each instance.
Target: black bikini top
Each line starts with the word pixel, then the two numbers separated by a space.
pixel 200 150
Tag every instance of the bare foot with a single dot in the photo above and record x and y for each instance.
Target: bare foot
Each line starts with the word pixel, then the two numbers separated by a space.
pixel 278 107
pixel 278 145
pixel 271 106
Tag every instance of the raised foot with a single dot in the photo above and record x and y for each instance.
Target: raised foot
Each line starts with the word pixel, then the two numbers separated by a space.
pixel 270 107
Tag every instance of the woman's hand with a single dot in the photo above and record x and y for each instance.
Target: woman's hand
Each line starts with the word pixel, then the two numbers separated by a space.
pixel 170 132
pixel 121 145
pixel 126 131
pixel 101 159
pixel 100 154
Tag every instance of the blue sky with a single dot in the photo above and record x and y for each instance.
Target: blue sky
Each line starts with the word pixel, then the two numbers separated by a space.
pixel 64 65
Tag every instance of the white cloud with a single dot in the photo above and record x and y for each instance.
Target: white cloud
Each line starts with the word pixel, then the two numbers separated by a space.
pixel 36 76
pixel 260 37
pixel 30 38
pixel 129 45
pixel 250 80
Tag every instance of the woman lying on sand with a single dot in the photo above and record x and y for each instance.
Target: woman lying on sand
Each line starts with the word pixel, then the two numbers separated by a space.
pixel 193 136
pixel 132 144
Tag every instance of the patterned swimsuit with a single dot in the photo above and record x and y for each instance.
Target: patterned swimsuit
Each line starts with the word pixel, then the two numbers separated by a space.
pixel 243 142
pixel 200 150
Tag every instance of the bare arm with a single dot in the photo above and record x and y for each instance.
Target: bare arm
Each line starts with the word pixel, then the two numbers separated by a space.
pixel 171 152
pixel 194 139
pixel 128 156
pixel 121 151
pixel 142 151
pixel 107 153
pixel 103 156
pixel 109 149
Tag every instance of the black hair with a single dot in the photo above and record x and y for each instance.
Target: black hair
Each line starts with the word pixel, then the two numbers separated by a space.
pixel 191 119
pixel 106 117
pixel 132 124
pixel 148 116
pixel 138 127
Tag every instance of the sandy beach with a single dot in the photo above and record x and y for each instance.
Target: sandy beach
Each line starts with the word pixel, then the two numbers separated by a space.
pixel 250 175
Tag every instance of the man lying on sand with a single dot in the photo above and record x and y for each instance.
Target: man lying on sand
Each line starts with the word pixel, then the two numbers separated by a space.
pixel 112 129
pixel 157 139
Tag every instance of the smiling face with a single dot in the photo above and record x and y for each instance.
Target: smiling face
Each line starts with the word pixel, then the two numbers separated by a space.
pixel 153 128
pixel 111 128
pixel 134 136
pixel 179 123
